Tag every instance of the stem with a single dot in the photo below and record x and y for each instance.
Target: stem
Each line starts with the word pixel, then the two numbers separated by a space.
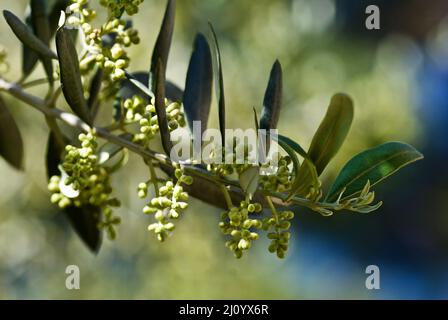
pixel 33 83
pixel 226 194
pixel 273 209
pixel 153 177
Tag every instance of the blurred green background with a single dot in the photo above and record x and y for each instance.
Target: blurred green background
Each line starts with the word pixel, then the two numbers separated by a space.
pixel 397 77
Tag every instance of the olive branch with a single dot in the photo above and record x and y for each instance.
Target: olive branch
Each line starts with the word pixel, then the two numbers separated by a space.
pixel 80 176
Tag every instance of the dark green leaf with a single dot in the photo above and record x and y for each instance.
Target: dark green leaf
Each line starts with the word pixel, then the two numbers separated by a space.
pixel 163 42
pixel 332 131
pixel 139 85
pixel 297 148
pixel 70 74
pixel 11 144
pixel 373 165
pixel 198 85
pixel 41 28
pixel 29 57
pixel 272 99
pixel 173 92
pixel 55 13
pixel 94 91
pixel 26 35
pixel 84 220
pixel 219 85
pixel 159 88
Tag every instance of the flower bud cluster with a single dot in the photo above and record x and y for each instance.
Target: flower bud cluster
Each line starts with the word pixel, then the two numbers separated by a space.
pixel 112 58
pixel 168 205
pixel 83 181
pixel 281 180
pixel 279 226
pixel 116 7
pixel 238 223
pixel 237 158
pixel 136 110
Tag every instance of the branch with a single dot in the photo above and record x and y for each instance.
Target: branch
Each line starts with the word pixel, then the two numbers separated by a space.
pixel 75 122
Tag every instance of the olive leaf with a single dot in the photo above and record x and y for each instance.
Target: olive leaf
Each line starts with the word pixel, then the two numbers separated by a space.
pixel 29 57
pixel 373 165
pixel 198 85
pixel 70 74
pixel 55 13
pixel 271 103
pixel 11 144
pixel 272 99
pixel 163 42
pixel 332 131
pixel 41 28
pixel 249 180
pixel 219 86
pixel 25 34
pixel 84 220
pixel 94 91
pixel 139 85
pixel 159 86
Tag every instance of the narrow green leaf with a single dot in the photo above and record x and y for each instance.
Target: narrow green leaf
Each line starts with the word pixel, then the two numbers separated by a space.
pixel 297 148
pixel 139 85
pixel 84 220
pixel 11 144
pixel 249 180
pixel 70 74
pixel 272 99
pixel 55 13
pixel 29 56
pixel 332 131
pixel 26 35
pixel 41 28
pixel 198 85
pixel 173 92
pixel 160 108
pixel 372 165
pixel 94 91
pixel 219 85
pixel 163 42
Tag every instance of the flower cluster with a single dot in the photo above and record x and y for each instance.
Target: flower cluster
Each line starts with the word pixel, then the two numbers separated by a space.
pixel 279 225
pixel 281 179
pixel 238 223
pixel 137 110
pixel 117 7
pixel 84 182
pixel 105 46
pixel 168 205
